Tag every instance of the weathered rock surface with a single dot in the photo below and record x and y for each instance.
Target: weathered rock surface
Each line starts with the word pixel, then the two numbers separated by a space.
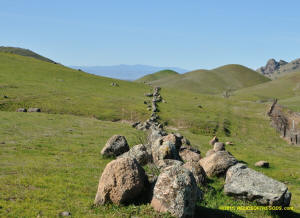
pixel 176 192
pixel 142 153
pixel 164 150
pixel 249 184
pixel 115 146
pixel 187 153
pixel 219 146
pixel 262 163
pixel 209 152
pixel 162 164
pixel 34 109
pixel 217 163
pixel 122 181
pixel 197 171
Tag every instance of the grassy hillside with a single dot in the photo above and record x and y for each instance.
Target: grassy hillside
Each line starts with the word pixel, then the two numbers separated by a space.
pixel 24 52
pixel 286 89
pixel 29 82
pixel 158 75
pixel 229 77
pixel 51 163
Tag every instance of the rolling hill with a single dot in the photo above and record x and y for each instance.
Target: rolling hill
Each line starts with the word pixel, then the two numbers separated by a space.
pixel 24 52
pixel 229 77
pixel 158 76
pixel 55 155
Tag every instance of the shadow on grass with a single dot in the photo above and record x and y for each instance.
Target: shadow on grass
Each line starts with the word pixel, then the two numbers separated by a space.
pixel 214 213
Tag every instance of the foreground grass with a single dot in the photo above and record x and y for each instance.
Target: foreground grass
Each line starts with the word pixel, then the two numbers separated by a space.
pixel 52 163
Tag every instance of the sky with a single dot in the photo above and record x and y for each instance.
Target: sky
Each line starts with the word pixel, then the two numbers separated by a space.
pixel 181 33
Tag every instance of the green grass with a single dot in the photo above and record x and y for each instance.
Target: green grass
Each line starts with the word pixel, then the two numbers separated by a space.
pixel 210 81
pixel 158 75
pixel 51 162
pixel 57 89
pixel 24 52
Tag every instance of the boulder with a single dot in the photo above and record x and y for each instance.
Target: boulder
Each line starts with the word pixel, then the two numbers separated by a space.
pixel 115 146
pixel 262 163
pixel 175 192
pixel 174 139
pixel 34 109
pixel 245 183
pixel 122 181
pixel 219 146
pixel 187 153
pixel 229 143
pixel 142 153
pixel 162 164
pixel 162 149
pixel 21 110
pixel 197 171
pixel 209 152
pixel 155 134
pixel 213 140
pixel 217 163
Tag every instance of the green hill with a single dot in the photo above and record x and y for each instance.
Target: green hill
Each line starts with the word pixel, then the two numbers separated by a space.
pixel 29 82
pixel 24 52
pixel 158 75
pixel 229 77
pixel 55 155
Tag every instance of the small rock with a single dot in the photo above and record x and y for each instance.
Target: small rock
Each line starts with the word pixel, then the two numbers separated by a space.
pixel 199 106
pixel 219 146
pixel 65 213
pixel 114 84
pixel 213 140
pixel 34 109
pixel 5 96
pixel 21 110
pixel 262 163
pixel 122 181
pixel 115 146
pixel 229 143
pixel 217 163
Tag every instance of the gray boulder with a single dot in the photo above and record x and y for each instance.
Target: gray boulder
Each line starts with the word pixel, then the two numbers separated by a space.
pixel 245 183
pixel 187 153
pixel 176 192
pixel 142 153
pixel 115 146
pixel 197 171
pixel 217 163
pixel 162 164
pixel 162 149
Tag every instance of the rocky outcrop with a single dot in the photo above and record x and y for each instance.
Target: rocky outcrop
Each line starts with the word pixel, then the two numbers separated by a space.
pixel 217 163
pixel 285 122
pixel 121 182
pixel 245 183
pixel 115 146
pixel 274 69
pixel 175 192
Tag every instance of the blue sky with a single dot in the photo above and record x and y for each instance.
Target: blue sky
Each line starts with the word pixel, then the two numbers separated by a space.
pixel 187 34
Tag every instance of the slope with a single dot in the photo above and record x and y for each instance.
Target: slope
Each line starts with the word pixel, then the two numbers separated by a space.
pixel 229 77
pixel 24 52
pixel 28 82
pixel 158 75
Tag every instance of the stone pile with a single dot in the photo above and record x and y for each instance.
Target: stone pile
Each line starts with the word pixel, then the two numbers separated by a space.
pixel 180 172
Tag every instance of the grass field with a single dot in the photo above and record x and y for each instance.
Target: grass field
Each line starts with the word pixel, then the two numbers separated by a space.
pixel 50 162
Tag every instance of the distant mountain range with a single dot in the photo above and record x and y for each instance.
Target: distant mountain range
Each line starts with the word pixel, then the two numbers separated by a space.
pixel 274 69
pixel 125 72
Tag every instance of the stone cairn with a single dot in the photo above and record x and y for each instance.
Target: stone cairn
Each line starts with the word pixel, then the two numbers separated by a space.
pixel 180 172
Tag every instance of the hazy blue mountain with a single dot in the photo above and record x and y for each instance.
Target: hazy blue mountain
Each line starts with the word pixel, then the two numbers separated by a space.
pixel 125 72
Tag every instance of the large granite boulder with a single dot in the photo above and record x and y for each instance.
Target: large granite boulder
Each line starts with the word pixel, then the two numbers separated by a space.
pixel 217 163
pixel 122 181
pixel 142 153
pixel 176 192
pixel 245 183
pixel 115 146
